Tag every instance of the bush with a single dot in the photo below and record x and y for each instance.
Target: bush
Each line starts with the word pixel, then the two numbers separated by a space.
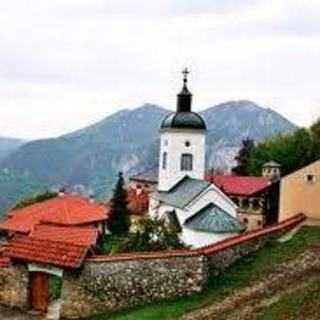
pixel 152 235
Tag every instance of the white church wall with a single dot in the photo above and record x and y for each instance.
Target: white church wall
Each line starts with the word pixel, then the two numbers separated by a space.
pixel 173 142
pixel 197 239
pixel 191 237
pixel 211 195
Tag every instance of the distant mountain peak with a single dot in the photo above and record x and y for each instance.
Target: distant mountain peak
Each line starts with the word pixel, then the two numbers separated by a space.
pixel 127 141
pixel 149 107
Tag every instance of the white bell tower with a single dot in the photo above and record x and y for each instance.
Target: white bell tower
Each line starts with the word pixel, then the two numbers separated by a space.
pixel 182 142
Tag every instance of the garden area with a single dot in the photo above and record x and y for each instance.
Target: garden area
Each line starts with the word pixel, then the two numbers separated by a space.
pixel 144 234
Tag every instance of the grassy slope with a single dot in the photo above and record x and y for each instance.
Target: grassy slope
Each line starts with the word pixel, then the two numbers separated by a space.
pixel 303 304
pixel 249 269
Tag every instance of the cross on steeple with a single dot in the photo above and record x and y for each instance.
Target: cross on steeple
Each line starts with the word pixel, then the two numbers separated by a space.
pixel 185 73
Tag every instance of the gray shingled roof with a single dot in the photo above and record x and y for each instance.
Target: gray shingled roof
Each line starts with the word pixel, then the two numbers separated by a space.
pixel 183 192
pixel 214 219
pixel 150 176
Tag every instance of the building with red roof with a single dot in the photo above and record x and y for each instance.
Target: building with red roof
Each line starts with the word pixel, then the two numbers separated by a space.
pixel 240 185
pixel 84 236
pixel 59 254
pixel 65 210
pixel 257 198
pixel 58 231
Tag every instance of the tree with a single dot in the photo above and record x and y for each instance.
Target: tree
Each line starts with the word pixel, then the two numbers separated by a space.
pixel 152 235
pixel 119 220
pixel 293 151
pixel 315 132
pixel 243 158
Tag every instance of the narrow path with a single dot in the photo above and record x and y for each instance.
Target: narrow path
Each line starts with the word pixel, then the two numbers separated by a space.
pixel 286 278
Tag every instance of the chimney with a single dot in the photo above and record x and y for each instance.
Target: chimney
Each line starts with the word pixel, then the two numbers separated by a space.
pixel 61 192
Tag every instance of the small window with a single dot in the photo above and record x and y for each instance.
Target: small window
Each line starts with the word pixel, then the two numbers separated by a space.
pixel 164 161
pixel 165 142
pixel 245 220
pixel 245 203
pixel 186 162
pixel 187 144
pixel 310 178
pixel 255 204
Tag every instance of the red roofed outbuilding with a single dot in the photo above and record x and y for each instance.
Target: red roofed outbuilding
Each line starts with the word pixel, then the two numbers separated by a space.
pixel 66 210
pixel 256 197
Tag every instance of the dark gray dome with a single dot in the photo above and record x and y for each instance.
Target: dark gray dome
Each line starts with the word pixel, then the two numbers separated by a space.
pixel 183 120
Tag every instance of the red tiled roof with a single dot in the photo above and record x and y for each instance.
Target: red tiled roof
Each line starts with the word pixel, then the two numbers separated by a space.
pixel 138 201
pixel 65 210
pixel 74 235
pixel 52 252
pixel 4 261
pixel 239 185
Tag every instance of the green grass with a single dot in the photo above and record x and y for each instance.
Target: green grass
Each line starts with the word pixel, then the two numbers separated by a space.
pixel 242 273
pixel 302 304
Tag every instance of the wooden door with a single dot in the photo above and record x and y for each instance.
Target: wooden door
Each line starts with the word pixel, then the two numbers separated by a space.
pixel 39 291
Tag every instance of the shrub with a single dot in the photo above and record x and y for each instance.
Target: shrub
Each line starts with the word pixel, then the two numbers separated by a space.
pixel 152 235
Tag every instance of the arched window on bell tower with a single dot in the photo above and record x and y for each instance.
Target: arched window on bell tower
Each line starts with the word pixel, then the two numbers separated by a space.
pixel 186 162
pixel 164 160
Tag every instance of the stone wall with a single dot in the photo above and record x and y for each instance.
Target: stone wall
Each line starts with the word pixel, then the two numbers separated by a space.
pixel 108 286
pixel 220 260
pixel 14 283
pixel 111 283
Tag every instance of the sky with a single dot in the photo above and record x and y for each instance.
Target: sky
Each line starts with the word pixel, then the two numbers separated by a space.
pixel 65 64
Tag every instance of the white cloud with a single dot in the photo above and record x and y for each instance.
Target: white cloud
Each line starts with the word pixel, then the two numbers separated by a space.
pixel 77 61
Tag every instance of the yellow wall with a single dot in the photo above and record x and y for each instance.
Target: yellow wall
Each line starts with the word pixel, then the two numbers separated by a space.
pixel 297 195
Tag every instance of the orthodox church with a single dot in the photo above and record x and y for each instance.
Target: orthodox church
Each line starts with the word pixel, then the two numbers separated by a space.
pixel 200 210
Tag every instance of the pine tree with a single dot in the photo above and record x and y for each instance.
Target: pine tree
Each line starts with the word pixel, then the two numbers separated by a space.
pixel 243 158
pixel 119 221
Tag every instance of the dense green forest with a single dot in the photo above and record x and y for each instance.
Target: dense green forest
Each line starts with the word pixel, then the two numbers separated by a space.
pixel 293 151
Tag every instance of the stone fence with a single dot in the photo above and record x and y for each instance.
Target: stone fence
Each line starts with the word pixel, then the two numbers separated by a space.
pixel 110 283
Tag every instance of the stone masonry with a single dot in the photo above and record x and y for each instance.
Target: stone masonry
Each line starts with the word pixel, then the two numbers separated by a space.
pixel 112 286
pixel 14 287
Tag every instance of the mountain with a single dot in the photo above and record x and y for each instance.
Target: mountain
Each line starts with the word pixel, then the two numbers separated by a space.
pixel 125 141
pixel 8 145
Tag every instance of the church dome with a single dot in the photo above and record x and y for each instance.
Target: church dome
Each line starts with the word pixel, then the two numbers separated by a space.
pixel 183 120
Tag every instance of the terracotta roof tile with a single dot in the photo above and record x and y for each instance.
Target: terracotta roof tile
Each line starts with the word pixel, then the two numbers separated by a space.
pixel 74 235
pixel 52 252
pixel 65 210
pixel 138 201
pixel 239 185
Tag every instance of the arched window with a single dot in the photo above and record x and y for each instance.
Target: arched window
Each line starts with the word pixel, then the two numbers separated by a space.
pixel 186 162
pixel 164 160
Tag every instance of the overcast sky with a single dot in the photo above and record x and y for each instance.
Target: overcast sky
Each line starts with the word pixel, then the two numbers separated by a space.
pixel 65 64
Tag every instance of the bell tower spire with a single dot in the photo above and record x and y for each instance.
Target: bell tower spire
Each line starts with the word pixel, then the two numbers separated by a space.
pixel 184 97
